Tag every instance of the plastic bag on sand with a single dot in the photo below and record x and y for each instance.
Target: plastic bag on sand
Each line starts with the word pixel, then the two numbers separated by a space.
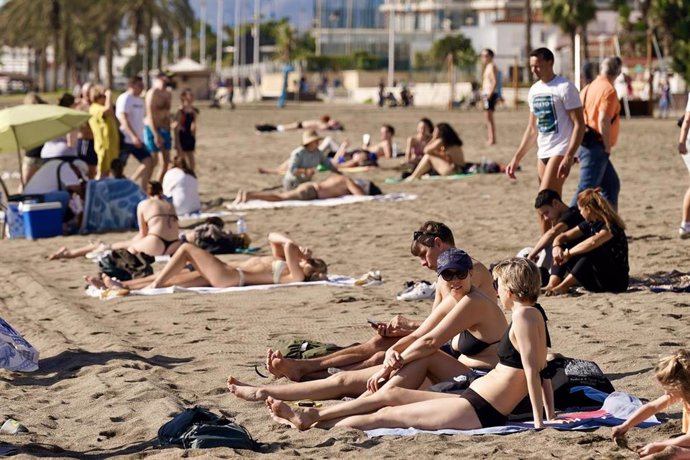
pixel 16 354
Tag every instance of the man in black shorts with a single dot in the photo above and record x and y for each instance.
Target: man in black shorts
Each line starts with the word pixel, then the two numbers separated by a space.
pixel 130 111
pixel 489 93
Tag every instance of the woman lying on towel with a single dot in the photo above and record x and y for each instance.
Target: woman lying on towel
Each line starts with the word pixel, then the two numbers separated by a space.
pixel 466 311
pixel 443 154
pixel 158 230
pixel 487 402
pixel 289 263
pixel 593 254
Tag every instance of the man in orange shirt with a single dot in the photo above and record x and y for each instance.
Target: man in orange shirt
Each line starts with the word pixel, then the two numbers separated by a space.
pixel 601 110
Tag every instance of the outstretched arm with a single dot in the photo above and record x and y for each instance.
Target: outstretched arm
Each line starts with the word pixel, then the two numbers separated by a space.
pixel 642 414
pixel 546 239
pixel 533 356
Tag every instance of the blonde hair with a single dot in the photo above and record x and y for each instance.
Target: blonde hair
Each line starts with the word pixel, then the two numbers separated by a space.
pixel 316 270
pixel 673 372
pixel 96 91
pixel 521 277
pixel 600 208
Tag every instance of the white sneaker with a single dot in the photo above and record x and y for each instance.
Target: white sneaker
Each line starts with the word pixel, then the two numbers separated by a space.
pixel 683 234
pixel 370 278
pixel 420 291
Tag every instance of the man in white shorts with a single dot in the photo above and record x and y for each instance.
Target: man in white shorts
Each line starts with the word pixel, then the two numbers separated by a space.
pixel 556 123
pixel 683 148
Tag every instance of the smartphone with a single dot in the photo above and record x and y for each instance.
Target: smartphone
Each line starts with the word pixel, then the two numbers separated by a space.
pixel 373 323
pixel 308 404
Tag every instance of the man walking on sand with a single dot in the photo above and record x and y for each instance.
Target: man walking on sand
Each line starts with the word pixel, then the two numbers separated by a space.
pixel 556 124
pixel 157 135
pixel 130 111
pixel 489 93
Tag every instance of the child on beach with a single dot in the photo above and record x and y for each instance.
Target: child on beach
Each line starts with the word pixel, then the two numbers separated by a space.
pixel 673 373
pixel 185 128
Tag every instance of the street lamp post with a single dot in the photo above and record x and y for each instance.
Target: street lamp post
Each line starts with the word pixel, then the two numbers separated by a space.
pixel 156 32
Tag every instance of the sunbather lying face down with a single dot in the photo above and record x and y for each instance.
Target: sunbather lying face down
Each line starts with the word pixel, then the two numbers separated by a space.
pixel 289 263
pixel 331 187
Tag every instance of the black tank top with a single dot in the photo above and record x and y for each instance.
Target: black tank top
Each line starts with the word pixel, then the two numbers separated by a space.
pixel 507 354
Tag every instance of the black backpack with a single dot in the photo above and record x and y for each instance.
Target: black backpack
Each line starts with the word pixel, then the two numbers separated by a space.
pixel 124 266
pixel 199 428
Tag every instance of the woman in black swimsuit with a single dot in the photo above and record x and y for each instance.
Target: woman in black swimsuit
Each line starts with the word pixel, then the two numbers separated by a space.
pixel 185 128
pixel 158 230
pixel 487 402
pixel 415 357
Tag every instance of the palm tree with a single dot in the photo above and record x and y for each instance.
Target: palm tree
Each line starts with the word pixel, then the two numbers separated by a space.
pixel 528 37
pixel 571 16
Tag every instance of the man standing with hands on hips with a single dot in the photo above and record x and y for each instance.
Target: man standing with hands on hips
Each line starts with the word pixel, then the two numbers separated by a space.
pixel 556 124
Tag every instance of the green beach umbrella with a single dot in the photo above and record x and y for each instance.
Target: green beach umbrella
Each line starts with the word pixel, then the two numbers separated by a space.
pixel 30 125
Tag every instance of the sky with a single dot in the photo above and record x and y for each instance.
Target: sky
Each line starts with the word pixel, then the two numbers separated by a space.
pixel 300 12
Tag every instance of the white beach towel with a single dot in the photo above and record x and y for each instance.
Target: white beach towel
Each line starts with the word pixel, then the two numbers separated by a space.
pixel 204 215
pixel 347 199
pixel 16 354
pixel 333 280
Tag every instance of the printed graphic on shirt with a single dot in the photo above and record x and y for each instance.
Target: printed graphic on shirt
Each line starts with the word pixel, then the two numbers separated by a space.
pixel 545 112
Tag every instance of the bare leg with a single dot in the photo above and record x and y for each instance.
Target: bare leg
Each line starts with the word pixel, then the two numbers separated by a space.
pixel 266 196
pixel 163 162
pixel 686 206
pixel 209 267
pixel 143 172
pixel 280 170
pixel 305 418
pixel 563 287
pixel 296 369
pixel 423 167
pixel 490 127
pixel 350 383
pixel 441 166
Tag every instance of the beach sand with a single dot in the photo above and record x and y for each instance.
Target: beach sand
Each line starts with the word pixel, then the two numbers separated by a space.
pixel 112 372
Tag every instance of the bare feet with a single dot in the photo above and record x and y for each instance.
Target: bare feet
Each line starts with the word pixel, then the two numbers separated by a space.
pixel 300 418
pixel 62 253
pixel 112 283
pixel 95 282
pixel 244 391
pixel 491 142
pixel 280 366
pixel 241 197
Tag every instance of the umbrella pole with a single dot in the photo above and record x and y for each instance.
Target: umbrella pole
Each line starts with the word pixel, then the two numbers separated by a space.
pixel 21 170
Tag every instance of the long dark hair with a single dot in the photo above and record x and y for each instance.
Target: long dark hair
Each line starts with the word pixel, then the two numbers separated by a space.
pixel 181 162
pixel 448 135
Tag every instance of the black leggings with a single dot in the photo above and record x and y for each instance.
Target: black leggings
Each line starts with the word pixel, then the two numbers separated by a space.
pixel 596 271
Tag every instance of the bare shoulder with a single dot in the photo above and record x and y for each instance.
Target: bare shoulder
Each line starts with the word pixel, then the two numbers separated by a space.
pixel 527 316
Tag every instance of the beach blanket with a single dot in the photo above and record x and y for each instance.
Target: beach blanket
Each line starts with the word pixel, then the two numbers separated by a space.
pixel 617 407
pixel 347 199
pixel 395 180
pixel 204 215
pixel 111 205
pixel 16 354
pixel 674 281
pixel 333 280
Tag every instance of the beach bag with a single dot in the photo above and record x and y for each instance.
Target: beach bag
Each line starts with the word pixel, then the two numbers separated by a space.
pixel 198 428
pixel 306 349
pixel 124 266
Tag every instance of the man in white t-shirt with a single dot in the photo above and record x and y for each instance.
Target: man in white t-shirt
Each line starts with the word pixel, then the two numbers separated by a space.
pixel 683 149
pixel 130 111
pixel 57 174
pixel 556 123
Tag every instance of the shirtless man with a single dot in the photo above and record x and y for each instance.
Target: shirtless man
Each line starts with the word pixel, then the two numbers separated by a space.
pixel 489 94
pixel 85 148
pixel 331 187
pixel 157 124
pixel 325 123
pixel 428 243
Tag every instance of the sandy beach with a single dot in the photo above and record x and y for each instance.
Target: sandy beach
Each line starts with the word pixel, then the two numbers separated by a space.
pixel 112 372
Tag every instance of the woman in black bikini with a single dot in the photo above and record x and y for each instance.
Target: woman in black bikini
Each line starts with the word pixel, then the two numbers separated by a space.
pixel 487 401
pixel 158 230
pixel 465 309
pixel 185 128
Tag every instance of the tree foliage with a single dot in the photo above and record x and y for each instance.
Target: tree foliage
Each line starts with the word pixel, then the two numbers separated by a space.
pixel 458 47
pixel 571 16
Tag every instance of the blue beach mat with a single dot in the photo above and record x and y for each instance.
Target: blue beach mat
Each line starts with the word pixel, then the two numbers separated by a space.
pixel 111 205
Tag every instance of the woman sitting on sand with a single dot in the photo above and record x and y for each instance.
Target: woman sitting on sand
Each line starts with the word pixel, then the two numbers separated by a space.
pixel 443 154
pixel 599 262
pixel 415 144
pixel 487 402
pixel 289 263
pixel 415 357
pixel 366 155
pixel 158 230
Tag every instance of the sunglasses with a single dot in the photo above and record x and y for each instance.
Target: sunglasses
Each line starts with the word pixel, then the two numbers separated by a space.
pixel 417 235
pixel 449 275
pixel 495 284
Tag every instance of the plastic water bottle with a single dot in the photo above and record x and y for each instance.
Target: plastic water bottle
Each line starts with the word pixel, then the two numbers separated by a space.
pixel 482 165
pixel 241 225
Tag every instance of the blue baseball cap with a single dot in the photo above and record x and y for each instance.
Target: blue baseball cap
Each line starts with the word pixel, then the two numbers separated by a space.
pixel 453 259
